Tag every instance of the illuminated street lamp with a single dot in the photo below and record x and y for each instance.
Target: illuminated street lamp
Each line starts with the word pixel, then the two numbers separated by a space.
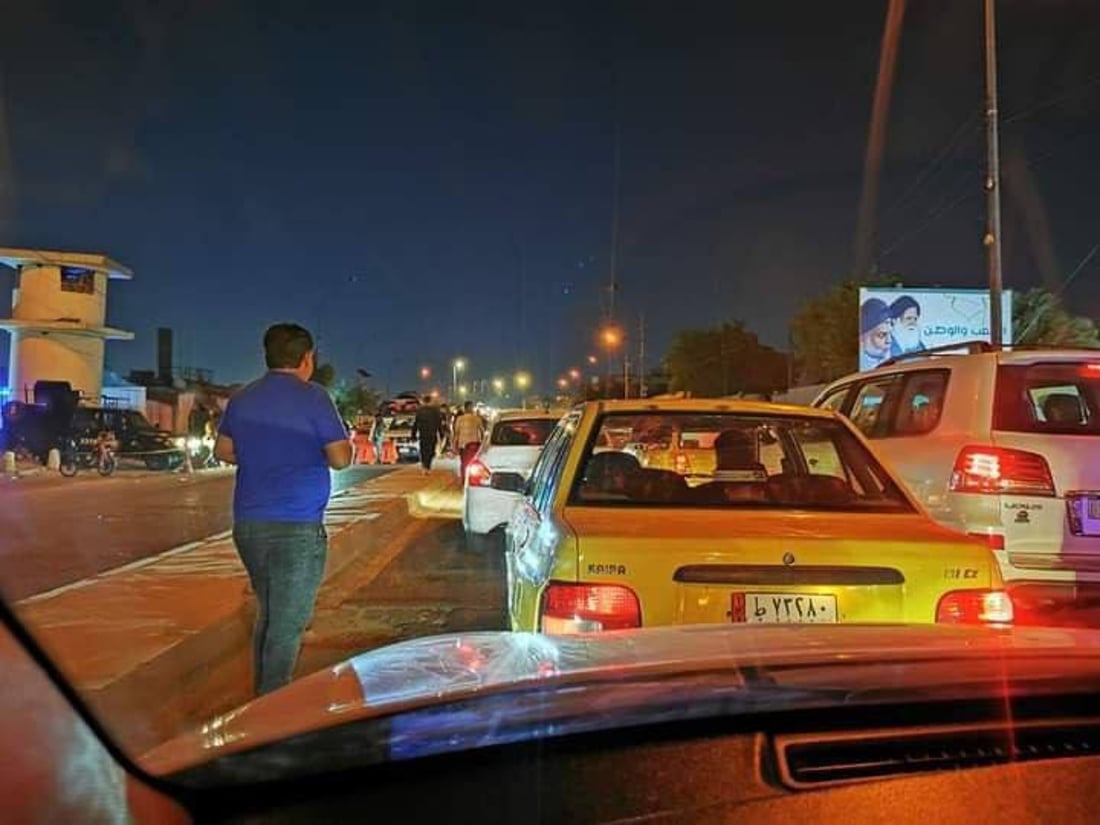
pixel 457 366
pixel 575 374
pixel 563 383
pixel 592 359
pixel 498 386
pixel 522 381
pixel 611 337
pixel 463 390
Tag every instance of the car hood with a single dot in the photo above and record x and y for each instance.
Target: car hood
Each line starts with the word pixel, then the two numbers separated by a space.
pixel 769 668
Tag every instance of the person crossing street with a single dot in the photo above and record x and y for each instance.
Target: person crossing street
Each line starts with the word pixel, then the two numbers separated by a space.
pixel 469 430
pixel 428 428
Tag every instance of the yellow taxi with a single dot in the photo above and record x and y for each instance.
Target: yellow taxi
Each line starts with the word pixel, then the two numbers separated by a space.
pixel 654 512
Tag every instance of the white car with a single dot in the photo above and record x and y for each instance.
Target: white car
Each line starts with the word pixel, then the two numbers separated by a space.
pixel 1004 445
pixel 495 478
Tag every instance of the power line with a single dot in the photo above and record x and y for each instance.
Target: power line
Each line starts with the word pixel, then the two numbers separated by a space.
pixel 934 166
pixel 1050 101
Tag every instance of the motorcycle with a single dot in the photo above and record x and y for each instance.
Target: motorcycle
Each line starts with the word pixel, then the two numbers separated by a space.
pixel 101 455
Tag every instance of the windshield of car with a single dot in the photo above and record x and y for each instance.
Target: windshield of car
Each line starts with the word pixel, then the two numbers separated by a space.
pixel 732 460
pixel 276 249
pixel 522 432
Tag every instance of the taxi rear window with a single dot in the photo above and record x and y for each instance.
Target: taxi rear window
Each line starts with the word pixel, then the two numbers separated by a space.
pixel 731 460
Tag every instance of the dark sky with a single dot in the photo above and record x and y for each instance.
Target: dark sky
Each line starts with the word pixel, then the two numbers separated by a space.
pixel 416 180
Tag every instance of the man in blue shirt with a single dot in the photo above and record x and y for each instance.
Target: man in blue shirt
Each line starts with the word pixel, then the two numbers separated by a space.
pixel 284 434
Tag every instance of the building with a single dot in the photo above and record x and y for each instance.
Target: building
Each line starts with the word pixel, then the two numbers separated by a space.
pixel 58 320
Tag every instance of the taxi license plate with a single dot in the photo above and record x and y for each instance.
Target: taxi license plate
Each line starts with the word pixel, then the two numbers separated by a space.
pixel 783 608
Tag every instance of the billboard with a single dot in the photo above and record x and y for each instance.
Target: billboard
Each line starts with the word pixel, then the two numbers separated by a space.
pixel 894 321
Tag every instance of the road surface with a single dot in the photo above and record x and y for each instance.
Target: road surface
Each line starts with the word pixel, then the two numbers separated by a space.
pixel 54 531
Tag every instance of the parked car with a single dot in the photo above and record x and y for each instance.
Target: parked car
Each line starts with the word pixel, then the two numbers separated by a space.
pixel 789 519
pixel 495 478
pixel 1004 445
pixel 137 438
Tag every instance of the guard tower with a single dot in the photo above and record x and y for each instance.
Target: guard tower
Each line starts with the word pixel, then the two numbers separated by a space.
pixel 58 319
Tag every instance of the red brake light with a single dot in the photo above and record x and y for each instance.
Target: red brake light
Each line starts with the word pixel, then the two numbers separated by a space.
pixel 477 474
pixel 1001 470
pixel 975 607
pixel 588 608
pixel 994 541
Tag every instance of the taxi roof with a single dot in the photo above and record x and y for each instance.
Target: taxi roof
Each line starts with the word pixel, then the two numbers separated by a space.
pixel 717 405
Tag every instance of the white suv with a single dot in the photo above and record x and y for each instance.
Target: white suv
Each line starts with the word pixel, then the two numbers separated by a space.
pixel 1000 444
pixel 496 477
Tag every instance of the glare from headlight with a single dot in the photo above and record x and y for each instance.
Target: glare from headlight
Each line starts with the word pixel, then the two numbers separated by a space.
pixel 194 443
pixel 180 442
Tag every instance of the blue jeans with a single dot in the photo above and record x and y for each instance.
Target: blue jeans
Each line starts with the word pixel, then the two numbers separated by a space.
pixel 285 563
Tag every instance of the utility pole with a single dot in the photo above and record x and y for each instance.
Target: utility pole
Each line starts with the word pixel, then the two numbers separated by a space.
pixel 641 355
pixel 993 177
pixel 626 373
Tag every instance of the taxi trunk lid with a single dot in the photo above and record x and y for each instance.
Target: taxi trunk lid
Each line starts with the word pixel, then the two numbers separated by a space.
pixel 743 565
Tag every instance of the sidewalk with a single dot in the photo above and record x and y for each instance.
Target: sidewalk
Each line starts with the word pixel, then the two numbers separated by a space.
pixel 164 642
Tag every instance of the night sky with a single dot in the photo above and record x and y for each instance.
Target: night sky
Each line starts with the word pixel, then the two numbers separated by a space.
pixel 414 181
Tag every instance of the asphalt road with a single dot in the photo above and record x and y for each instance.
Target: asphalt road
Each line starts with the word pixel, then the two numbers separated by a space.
pixel 54 531
pixel 434 585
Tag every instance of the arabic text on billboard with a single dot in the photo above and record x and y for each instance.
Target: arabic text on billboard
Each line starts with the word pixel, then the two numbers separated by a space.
pixel 897 321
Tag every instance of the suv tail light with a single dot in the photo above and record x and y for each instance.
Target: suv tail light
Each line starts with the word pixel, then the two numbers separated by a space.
pixel 588 608
pixel 975 607
pixel 478 475
pixel 1001 470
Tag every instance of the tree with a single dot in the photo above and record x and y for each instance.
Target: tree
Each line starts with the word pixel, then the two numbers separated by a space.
pixel 1039 318
pixel 355 399
pixel 325 375
pixel 722 361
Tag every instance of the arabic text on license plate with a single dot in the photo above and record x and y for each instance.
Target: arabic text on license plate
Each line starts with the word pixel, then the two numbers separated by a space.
pixel 1094 507
pixel 783 608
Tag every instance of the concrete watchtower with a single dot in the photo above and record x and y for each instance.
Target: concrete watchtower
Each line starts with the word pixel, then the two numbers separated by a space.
pixel 58 324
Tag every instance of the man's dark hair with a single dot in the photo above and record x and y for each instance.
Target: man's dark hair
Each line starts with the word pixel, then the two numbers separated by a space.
pixel 285 345
pixel 427 399
pixel 468 406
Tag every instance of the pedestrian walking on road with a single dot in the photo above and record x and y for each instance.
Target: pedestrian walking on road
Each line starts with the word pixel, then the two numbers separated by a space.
pixel 378 436
pixel 283 433
pixel 429 428
pixel 469 430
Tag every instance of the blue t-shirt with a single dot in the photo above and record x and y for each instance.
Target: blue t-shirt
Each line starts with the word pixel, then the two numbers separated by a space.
pixel 280 426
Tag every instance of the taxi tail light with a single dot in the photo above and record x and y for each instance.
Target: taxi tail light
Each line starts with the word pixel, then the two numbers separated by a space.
pixel 588 608
pixel 975 607
pixel 477 474
pixel 980 469
pixel 994 541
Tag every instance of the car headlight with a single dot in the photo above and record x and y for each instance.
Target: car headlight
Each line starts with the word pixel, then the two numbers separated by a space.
pixel 194 444
pixel 180 442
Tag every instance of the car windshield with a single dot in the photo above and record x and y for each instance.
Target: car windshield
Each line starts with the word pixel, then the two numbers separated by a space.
pixel 726 460
pixel 361 359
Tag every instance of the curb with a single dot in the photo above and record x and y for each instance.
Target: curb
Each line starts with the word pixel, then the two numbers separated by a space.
pixel 205 669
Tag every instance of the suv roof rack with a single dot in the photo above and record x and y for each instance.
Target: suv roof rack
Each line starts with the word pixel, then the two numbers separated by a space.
pixel 961 348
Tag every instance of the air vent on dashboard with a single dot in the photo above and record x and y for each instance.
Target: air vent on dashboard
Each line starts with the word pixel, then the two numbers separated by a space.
pixel 808 760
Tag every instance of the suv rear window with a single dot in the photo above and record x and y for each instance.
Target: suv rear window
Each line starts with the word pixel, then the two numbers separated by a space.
pixel 522 432
pixel 1048 398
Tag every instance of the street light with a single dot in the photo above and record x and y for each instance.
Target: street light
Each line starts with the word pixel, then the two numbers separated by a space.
pixel 575 374
pixel 563 383
pixel 457 366
pixel 498 386
pixel 611 336
pixel 425 373
pixel 463 390
pixel 592 359
pixel 523 380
